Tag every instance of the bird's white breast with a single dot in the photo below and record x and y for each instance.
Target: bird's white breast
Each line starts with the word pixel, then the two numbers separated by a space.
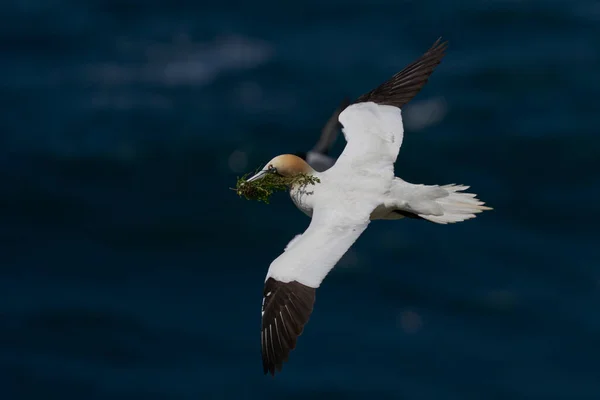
pixel 335 187
pixel 303 197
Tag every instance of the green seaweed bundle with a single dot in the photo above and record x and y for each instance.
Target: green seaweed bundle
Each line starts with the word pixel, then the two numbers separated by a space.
pixel 262 189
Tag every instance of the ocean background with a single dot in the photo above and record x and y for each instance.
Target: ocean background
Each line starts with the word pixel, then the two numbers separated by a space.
pixel 130 270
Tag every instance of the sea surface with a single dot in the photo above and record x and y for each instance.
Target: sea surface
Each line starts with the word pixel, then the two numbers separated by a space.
pixel 129 269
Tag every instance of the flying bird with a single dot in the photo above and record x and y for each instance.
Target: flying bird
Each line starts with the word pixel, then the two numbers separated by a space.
pixel 360 187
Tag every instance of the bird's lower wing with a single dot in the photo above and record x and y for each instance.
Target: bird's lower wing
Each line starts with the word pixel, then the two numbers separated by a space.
pixel 292 280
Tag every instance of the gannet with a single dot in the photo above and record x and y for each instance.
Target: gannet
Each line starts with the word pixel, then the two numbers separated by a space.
pixel 360 187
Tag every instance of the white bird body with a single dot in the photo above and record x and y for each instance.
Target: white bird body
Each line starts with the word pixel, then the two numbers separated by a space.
pixel 345 197
pixel 358 188
pixel 366 167
pixel 377 133
pixel 440 204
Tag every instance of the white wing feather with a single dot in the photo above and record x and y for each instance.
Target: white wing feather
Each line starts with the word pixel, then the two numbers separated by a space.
pixel 313 254
pixel 374 135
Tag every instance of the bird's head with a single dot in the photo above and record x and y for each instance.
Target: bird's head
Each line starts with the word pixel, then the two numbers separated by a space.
pixel 286 165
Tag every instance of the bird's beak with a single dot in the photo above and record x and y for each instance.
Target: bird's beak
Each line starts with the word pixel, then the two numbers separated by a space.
pixel 258 176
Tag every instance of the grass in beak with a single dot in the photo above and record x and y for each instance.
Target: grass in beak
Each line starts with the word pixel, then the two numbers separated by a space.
pixel 262 189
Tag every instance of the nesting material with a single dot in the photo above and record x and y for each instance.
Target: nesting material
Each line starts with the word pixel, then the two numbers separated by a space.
pixel 262 189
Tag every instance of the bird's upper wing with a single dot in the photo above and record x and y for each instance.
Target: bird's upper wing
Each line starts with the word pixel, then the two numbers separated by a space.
pixel 290 285
pixel 330 130
pixel 397 91
pixel 374 135
pixel 406 84
pixel 372 125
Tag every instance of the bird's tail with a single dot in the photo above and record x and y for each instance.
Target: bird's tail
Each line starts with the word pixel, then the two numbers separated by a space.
pixel 440 204
pixel 457 206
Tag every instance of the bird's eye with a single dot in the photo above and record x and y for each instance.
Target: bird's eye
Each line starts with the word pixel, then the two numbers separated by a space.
pixel 271 168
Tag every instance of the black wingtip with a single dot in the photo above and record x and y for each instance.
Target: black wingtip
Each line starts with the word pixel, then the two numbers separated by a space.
pixel 439 46
pixel 406 84
pixel 286 309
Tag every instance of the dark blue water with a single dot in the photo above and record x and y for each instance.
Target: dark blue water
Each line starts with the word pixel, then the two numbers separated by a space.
pixel 129 270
